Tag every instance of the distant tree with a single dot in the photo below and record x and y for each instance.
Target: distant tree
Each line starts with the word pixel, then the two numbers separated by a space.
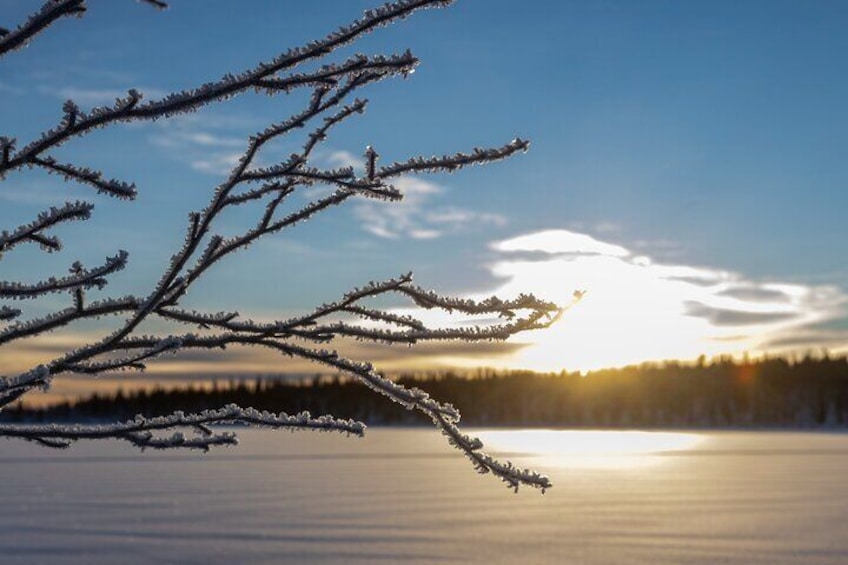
pixel 264 188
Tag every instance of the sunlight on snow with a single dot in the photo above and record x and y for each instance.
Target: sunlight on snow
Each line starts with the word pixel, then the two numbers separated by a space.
pixel 591 449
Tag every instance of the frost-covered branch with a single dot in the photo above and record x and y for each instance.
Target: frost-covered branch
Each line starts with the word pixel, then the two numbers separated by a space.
pixel 513 476
pixel 263 76
pixel 49 13
pixel 61 318
pixel 260 184
pixel 80 279
pixel 450 163
pixel 8 313
pixel 140 431
pixel 84 175
pixel 33 231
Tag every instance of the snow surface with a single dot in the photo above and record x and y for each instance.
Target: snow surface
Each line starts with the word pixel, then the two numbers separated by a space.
pixel 404 496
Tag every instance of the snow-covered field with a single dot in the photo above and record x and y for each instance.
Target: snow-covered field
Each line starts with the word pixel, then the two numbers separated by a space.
pixel 405 496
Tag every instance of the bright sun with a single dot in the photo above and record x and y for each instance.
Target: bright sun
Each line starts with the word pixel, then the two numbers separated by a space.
pixel 628 315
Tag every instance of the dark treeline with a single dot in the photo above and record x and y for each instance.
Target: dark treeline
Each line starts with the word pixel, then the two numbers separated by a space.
pixel 809 392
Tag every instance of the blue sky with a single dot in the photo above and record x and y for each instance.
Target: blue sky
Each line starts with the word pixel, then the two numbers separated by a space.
pixel 687 166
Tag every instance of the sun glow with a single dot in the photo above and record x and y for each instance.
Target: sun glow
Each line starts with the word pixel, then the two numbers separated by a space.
pixel 627 315
pixel 635 310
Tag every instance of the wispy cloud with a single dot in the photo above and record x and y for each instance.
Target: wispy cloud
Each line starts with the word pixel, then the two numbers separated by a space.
pixel 219 164
pixel 11 89
pixel 209 146
pixel 343 159
pixel 737 317
pixel 181 138
pixel 43 192
pixel 417 216
pixel 98 96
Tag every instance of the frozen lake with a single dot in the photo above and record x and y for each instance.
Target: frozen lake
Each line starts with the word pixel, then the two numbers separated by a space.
pixel 405 496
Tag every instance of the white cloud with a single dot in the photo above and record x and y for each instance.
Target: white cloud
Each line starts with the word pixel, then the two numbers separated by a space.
pixel 200 144
pixel 561 242
pixel 418 215
pixel 194 140
pixel 344 159
pixel 43 192
pixel 219 164
pixel 397 219
pixel 89 96
pixel 208 140
pixel 460 216
pixel 415 216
